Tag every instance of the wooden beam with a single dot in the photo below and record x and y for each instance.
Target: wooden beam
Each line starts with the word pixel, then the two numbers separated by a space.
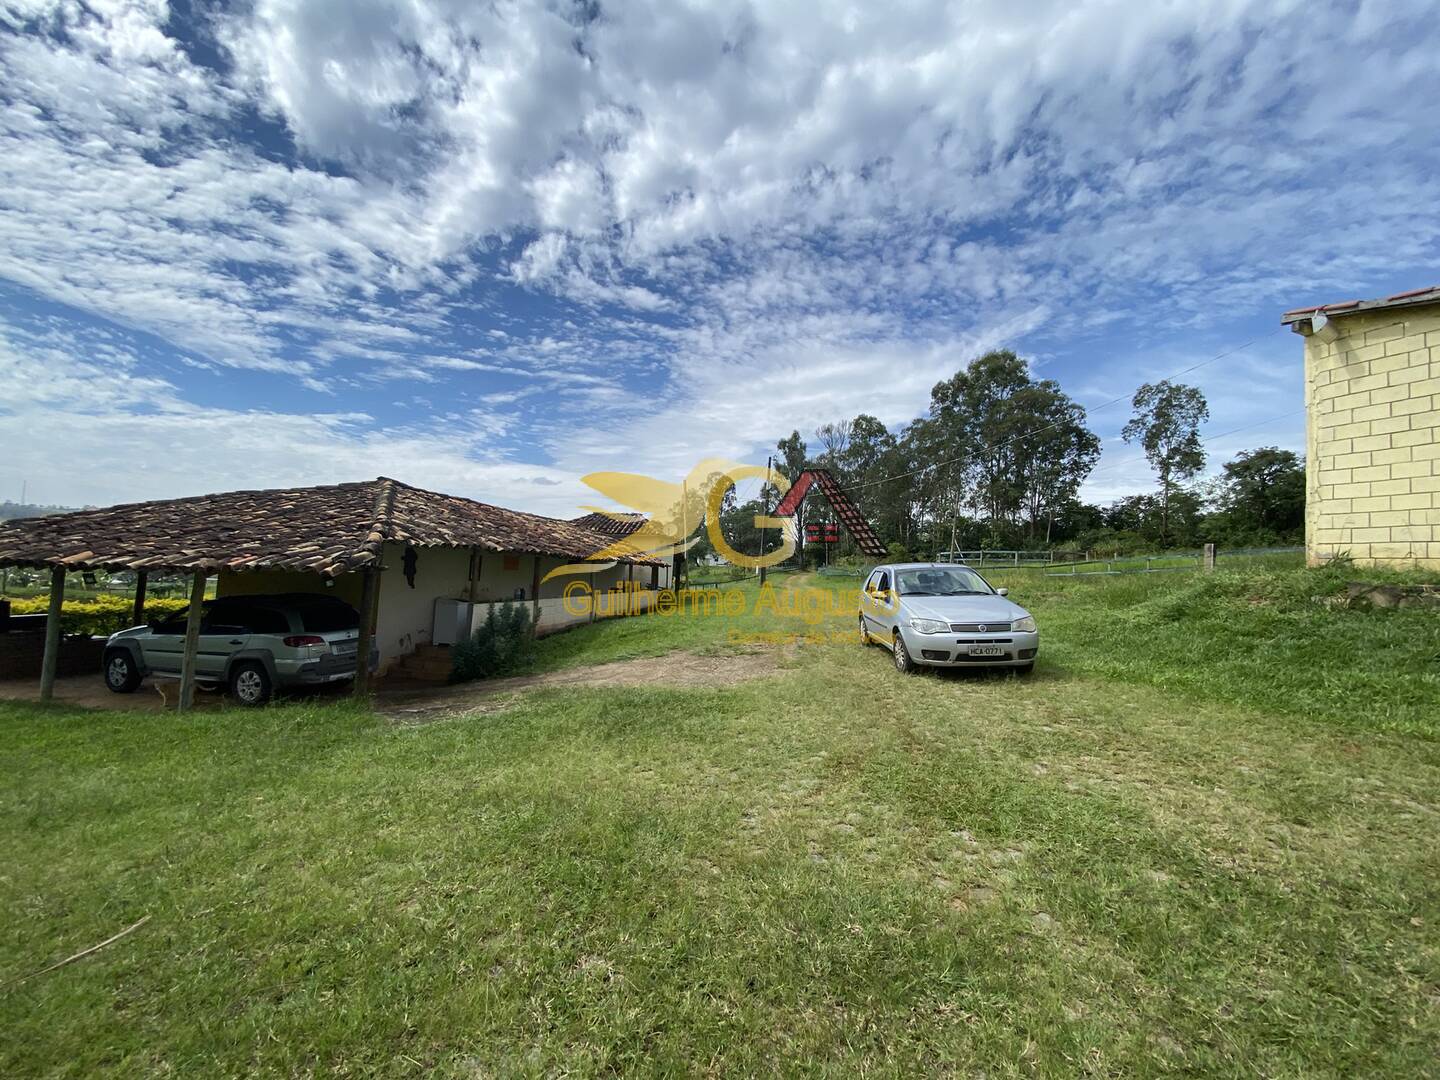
pixel 51 662
pixel 475 558
pixel 369 597
pixel 192 642
pixel 141 580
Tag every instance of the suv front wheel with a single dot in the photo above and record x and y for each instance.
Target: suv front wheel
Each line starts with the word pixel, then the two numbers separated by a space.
pixel 250 683
pixel 121 674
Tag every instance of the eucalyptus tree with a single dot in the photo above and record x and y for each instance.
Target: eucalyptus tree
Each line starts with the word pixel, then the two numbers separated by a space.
pixel 1167 424
pixel 1018 447
pixel 834 440
pixel 1055 456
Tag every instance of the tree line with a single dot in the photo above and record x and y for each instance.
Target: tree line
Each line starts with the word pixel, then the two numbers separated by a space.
pixel 998 461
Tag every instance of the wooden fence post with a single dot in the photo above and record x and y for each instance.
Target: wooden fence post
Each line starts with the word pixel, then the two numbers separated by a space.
pixel 192 642
pixel 1208 559
pixel 51 661
pixel 475 566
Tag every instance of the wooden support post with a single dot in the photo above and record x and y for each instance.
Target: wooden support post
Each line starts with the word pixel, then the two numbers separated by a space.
pixel 1208 560
pixel 369 598
pixel 535 593
pixel 138 616
pixel 475 558
pixel 51 662
pixel 192 642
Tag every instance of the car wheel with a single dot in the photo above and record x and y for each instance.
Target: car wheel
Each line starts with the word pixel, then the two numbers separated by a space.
pixel 121 674
pixel 249 684
pixel 865 638
pixel 1023 669
pixel 901 656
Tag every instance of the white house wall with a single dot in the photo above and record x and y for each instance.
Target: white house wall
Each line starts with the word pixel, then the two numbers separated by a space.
pixel 406 615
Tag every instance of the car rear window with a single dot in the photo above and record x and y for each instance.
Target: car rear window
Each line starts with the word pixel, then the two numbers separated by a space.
pixel 230 615
pixel 263 620
pixel 328 618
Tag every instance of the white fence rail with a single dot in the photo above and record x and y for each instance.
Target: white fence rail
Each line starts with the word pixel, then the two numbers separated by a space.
pixel 1080 564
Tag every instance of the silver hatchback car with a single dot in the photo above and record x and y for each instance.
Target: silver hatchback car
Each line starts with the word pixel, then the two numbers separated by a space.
pixel 945 615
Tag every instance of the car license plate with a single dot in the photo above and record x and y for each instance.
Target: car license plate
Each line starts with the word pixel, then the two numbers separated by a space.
pixel 986 650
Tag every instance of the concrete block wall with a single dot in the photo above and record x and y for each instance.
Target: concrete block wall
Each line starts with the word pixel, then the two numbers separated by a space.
pixel 1372 397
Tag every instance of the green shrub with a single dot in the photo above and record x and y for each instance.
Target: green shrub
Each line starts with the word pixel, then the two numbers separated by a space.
pixel 504 643
pixel 99 617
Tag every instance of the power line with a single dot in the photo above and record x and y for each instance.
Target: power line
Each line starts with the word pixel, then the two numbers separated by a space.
pixel 1206 442
pixel 1047 427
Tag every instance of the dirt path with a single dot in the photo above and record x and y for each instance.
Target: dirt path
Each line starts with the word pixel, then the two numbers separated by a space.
pixel 90 692
pixel 424 704
pixel 680 669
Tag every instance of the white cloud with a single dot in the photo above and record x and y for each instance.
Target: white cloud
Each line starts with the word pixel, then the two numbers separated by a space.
pixel 101 458
pixel 699 225
pixel 80 432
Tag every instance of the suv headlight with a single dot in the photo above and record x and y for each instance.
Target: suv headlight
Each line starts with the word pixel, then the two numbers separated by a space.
pixel 929 626
pixel 1025 625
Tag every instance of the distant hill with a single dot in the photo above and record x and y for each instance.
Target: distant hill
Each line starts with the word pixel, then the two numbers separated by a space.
pixel 13 511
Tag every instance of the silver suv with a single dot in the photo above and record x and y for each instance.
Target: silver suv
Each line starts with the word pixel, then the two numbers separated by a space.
pixel 945 615
pixel 252 644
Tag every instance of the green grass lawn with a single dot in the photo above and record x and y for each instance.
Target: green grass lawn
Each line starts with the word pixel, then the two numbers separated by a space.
pixel 1200 839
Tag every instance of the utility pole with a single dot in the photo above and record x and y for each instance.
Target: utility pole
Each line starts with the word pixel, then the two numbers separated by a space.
pixel 765 503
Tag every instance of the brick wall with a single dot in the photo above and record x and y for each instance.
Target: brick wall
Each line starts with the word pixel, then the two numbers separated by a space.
pixel 1372 399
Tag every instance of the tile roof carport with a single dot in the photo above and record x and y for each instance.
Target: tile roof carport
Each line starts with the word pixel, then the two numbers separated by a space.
pixel 328 530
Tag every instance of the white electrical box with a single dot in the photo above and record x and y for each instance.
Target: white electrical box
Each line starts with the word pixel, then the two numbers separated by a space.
pixel 452 622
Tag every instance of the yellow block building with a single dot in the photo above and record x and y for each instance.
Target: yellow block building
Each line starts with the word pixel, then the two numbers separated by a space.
pixel 1372 403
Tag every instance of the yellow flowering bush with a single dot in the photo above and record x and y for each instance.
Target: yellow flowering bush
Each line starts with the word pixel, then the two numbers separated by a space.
pixel 101 616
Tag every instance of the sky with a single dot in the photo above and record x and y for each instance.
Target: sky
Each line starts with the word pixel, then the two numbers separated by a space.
pixel 489 248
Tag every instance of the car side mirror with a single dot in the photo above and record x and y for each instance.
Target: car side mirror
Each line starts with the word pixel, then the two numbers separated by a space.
pixel 1002 592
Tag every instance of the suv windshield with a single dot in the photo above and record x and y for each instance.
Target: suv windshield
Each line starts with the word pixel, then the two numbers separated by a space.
pixel 940 581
